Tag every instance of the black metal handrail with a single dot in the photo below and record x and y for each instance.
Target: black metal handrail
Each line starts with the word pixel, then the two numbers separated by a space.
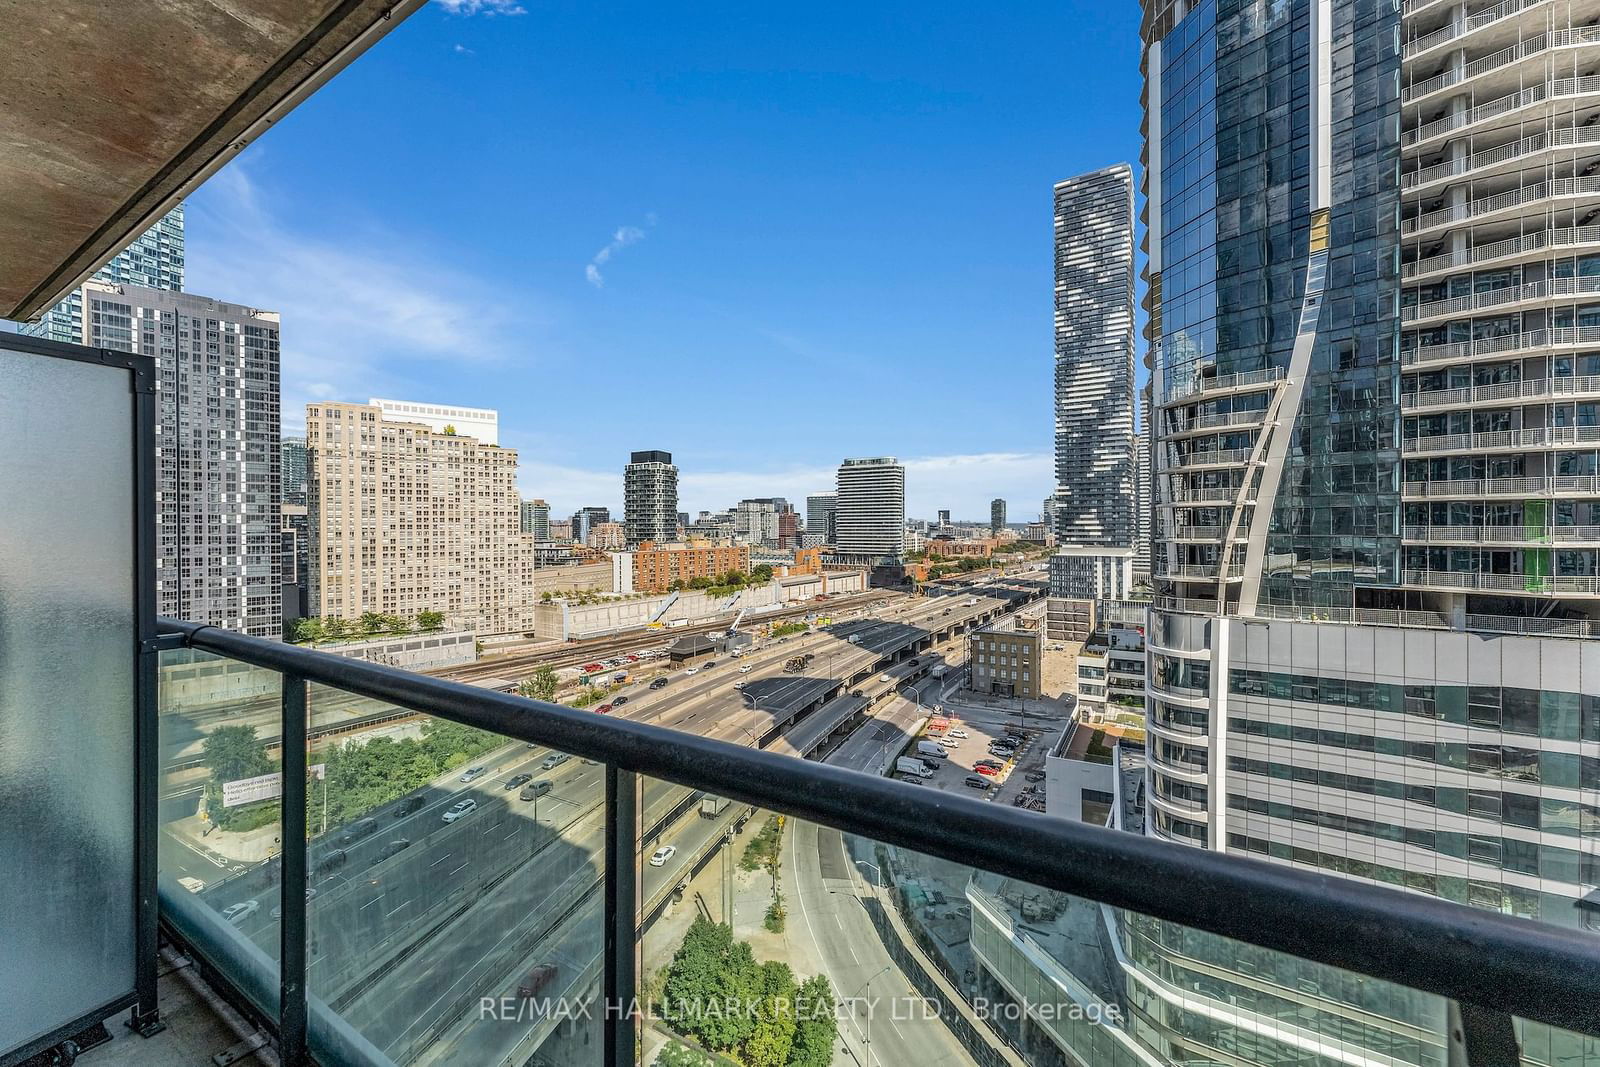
pixel 1493 964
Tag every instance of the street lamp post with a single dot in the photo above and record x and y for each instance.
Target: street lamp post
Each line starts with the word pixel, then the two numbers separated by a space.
pixel 867 985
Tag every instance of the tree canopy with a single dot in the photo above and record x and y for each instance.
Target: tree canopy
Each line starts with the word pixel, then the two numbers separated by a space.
pixel 717 993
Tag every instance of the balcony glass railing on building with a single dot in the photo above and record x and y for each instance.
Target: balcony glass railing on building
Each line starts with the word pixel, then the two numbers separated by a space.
pixel 488 855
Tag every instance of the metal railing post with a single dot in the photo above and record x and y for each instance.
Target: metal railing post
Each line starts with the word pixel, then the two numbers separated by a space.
pixel 620 980
pixel 292 889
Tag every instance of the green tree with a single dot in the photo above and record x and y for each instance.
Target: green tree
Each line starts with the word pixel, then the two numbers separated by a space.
pixel 372 622
pixel 673 1054
pixel 542 686
pixel 762 574
pixel 430 620
pixel 335 628
pixel 234 752
pixel 816 1025
pixel 394 624
pixel 308 631
pixel 772 1031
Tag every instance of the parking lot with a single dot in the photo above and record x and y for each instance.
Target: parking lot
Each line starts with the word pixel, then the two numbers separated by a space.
pixel 965 754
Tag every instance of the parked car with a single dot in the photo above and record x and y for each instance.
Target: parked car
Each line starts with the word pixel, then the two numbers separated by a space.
pixel 592 668
pixel 617 703
pixel 534 789
pixel 996 764
pixel 633 659
pixel 473 774
pixel 516 780
pixel 409 806
pixel 977 781
pixel 554 760
pixel 661 855
pixel 953 733
pixel 461 809
pixel 238 913
pixel 986 769
pixel 1033 776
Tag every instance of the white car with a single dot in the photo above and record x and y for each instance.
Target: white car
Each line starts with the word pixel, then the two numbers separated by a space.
pixel 885 678
pixel 745 669
pixel 958 733
pixel 691 670
pixel 238 913
pixel 662 855
pixel 463 808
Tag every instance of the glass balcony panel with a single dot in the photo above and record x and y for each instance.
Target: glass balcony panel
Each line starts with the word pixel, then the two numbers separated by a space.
pixel 805 944
pixel 221 831
pixel 455 888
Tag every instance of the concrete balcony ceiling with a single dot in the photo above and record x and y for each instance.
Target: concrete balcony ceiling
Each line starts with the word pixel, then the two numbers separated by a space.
pixel 109 114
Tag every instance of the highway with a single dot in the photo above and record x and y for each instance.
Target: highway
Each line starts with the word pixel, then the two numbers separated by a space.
pixel 404 944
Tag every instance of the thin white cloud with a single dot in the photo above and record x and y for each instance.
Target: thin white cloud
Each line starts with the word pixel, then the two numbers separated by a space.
pixel 482 7
pixel 359 308
pixel 622 238
pixel 963 483
pixel 463 50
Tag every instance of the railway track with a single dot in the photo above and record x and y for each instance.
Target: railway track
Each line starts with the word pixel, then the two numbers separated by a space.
pixel 512 666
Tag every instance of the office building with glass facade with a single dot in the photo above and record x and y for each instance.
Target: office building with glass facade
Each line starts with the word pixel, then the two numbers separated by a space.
pixel 154 261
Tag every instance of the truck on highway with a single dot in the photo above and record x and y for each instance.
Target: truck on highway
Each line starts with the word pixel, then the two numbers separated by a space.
pixel 937 672
pixel 911 766
pixel 931 748
pixel 711 807
pixel 675 623
pixel 855 639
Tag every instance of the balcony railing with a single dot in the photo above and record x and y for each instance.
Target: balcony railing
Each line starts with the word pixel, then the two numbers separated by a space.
pixel 1536 437
pixel 1534 94
pixel 1528 388
pixel 1499 202
pixel 1437 534
pixel 1563 137
pixel 1490 965
pixel 1502 59
pixel 1458 306
pixel 1528 341
pixel 1470 24
pixel 1558 237
pixel 1201 386
pixel 1577 584
pixel 1567 484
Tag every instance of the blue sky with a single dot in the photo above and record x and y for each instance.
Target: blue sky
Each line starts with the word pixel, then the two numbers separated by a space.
pixel 762 242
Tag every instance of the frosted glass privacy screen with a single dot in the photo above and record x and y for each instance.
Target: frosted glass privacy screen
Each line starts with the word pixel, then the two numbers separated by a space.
pixel 68 693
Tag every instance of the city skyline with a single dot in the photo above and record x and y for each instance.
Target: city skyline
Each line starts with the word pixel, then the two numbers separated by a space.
pixel 506 308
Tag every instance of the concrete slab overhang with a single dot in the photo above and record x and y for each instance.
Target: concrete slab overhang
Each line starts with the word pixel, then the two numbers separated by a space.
pixel 111 112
